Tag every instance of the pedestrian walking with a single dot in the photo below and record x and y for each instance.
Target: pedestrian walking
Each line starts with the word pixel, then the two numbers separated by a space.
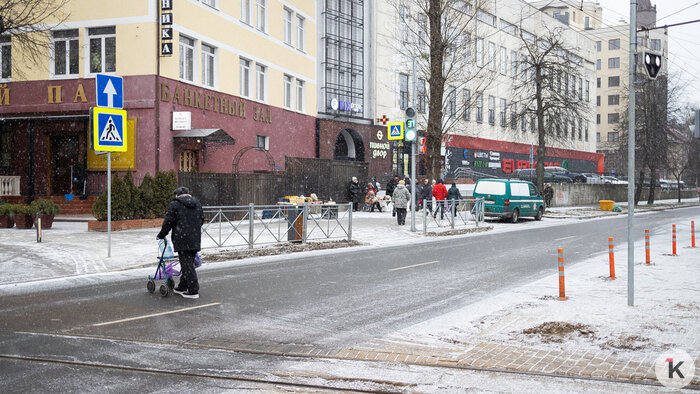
pixel 547 194
pixel 401 198
pixel 185 218
pixel 355 191
pixel 440 193
pixel 453 196
pixel 426 194
pixel 390 187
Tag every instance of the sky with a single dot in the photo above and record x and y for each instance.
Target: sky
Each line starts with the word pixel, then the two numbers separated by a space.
pixel 684 41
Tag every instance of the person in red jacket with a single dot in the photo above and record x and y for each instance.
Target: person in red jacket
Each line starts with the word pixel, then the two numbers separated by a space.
pixel 440 193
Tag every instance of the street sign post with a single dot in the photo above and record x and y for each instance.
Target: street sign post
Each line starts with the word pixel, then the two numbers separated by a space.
pixel 395 131
pixel 109 129
pixel 109 91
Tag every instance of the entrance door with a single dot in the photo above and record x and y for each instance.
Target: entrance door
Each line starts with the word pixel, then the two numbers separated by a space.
pixel 65 152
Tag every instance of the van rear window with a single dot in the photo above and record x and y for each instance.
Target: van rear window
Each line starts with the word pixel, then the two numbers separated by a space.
pixel 490 187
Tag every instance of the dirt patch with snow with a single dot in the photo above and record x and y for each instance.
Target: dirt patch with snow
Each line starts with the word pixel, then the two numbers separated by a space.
pixel 625 342
pixel 458 232
pixel 555 331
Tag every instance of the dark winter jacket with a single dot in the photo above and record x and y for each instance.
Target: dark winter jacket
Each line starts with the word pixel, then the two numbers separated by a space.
pixel 355 191
pixel 426 193
pixel 185 218
pixel 439 192
pixel 391 186
pixel 454 194
pixel 548 193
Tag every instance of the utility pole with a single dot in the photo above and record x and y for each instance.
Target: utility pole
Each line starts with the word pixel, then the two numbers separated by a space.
pixel 630 155
pixel 413 155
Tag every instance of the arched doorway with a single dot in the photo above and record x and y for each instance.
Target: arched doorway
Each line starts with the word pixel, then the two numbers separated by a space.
pixel 349 146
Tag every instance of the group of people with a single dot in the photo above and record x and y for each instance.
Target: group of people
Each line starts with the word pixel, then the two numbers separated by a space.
pixel 401 196
pixel 371 200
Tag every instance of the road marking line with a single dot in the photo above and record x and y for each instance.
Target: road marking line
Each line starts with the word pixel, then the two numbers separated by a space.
pixel 415 265
pixel 155 314
pixel 561 239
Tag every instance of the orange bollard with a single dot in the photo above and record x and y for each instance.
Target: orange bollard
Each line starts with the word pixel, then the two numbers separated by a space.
pixel 674 240
pixel 692 233
pixel 562 292
pixel 611 252
pixel 646 245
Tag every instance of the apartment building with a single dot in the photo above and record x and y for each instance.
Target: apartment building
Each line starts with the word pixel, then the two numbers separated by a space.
pixel 209 85
pixel 486 135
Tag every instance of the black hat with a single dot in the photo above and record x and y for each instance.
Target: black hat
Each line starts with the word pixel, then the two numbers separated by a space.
pixel 181 190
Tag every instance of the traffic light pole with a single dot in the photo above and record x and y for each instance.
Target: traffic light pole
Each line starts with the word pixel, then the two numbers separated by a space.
pixel 630 156
pixel 413 157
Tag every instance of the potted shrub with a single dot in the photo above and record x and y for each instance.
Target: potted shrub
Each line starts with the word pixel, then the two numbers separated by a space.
pixel 23 215
pixel 48 209
pixel 6 219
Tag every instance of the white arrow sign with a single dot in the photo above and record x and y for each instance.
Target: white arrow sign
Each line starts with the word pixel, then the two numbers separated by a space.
pixel 110 91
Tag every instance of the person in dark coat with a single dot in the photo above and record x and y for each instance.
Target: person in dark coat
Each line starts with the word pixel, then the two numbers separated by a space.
pixel 547 194
pixel 355 194
pixel 390 187
pixel 426 194
pixel 453 195
pixel 185 218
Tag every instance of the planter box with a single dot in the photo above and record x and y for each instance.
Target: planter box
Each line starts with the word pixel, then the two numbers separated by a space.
pixel 118 225
pixel 24 222
pixel 7 221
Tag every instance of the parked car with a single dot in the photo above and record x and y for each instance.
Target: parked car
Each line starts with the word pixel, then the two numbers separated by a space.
pixel 575 176
pixel 611 180
pixel 592 178
pixel 529 174
pixel 509 198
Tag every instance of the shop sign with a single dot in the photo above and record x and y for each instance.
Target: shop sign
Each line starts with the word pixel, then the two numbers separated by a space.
pixel 182 120
pixel 166 30
pixel 342 105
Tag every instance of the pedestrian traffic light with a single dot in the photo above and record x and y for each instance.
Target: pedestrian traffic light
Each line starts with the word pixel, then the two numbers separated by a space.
pixel 652 64
pixel 421 144
pixel 410 124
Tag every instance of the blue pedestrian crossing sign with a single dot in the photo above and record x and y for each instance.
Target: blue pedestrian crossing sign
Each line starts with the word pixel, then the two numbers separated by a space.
pixel 109 129
pixel 394 131
pixel 109 91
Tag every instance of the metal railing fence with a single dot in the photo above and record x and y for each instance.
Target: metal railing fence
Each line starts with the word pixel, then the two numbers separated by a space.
pixel 453 213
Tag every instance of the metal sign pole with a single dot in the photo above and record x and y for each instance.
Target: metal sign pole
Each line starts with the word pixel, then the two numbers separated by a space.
pixel 413 158
pixel 109 204
pixel 630 156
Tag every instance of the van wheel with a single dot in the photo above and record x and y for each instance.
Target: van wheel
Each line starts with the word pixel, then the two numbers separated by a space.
pixel 516 216
pixel 540 212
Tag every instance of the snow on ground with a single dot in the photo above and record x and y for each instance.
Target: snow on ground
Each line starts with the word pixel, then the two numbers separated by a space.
pixel 666 311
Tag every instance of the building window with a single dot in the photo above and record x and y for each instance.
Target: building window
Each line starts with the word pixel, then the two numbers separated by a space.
pixel 260 79
pixel 588 91
pixel 300 33
pixel 586 135
pixel 301 95
pixel 597 101
pixel 188 161
pixel 245 11
pixel 452 102
pixel 403 23
pixel 523 68
pixel 597 118
pixel 587 23
pixel 262 142
pixel 523 119
pixel 597 64
pixel 288 91
pixel 580 88
pixel 492 56
pixel 245 77
pixel 186 58
pixel 597 82
pixel 5 57
pixel 503 112
pixel 597 137
pixel 614 99
pixel 480 52
pixel 492 110
pixel 421 95
pixel 613 81
pixel 533 123
pixel 598 46
pixel 513 116
pixel 479 107
pixel 261 13
pixel 403 91
pixel 103 49
pixel 486 17
pixel 655 44
pixel 65 52
pixel 614 62
pixel 208 65
pixel 580 129
pixel 613 118
pixel 467 104
pixel 513 64
pixel 573 86
pixel 288 16
pixel 614 44
pixel 504 61
pixel 613 137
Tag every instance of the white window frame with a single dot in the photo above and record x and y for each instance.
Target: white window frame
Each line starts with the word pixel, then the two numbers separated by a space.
pixel 208 54
pixel 513 64
pixel 260 82
pixel 301 22
pixel 287 98
pixel 261 15
pixel 262 142
pixel 67 42
pixel 103 48
pixel 504 61
pixel 287 23
pixel 492 56
pixel 245 11
pixel 186 47
pixel 480 52
pixel 301 95
pixel 244 76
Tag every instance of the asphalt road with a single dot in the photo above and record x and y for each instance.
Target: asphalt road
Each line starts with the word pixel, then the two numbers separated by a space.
pixel 341 299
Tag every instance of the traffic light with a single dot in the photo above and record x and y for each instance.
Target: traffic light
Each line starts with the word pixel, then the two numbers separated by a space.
pixel 652 64
pixel 410 124
pixel 421 144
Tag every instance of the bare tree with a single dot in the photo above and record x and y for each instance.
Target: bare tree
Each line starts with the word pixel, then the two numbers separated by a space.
pixel 439 35
pixel 29 21
pixel 547 66
pixel 680 150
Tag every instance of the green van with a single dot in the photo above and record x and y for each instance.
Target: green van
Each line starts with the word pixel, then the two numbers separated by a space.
pixel 509 198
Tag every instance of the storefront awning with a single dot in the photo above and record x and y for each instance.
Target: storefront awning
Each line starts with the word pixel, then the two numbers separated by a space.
pixel 208 135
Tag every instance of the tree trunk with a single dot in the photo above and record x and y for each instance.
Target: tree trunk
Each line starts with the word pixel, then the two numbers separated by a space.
pixel 437 90
pixel 639 188
pixel 652 185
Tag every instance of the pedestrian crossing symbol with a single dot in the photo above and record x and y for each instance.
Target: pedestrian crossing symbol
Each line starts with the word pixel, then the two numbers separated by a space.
pixel 109 129
pixel 395 131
